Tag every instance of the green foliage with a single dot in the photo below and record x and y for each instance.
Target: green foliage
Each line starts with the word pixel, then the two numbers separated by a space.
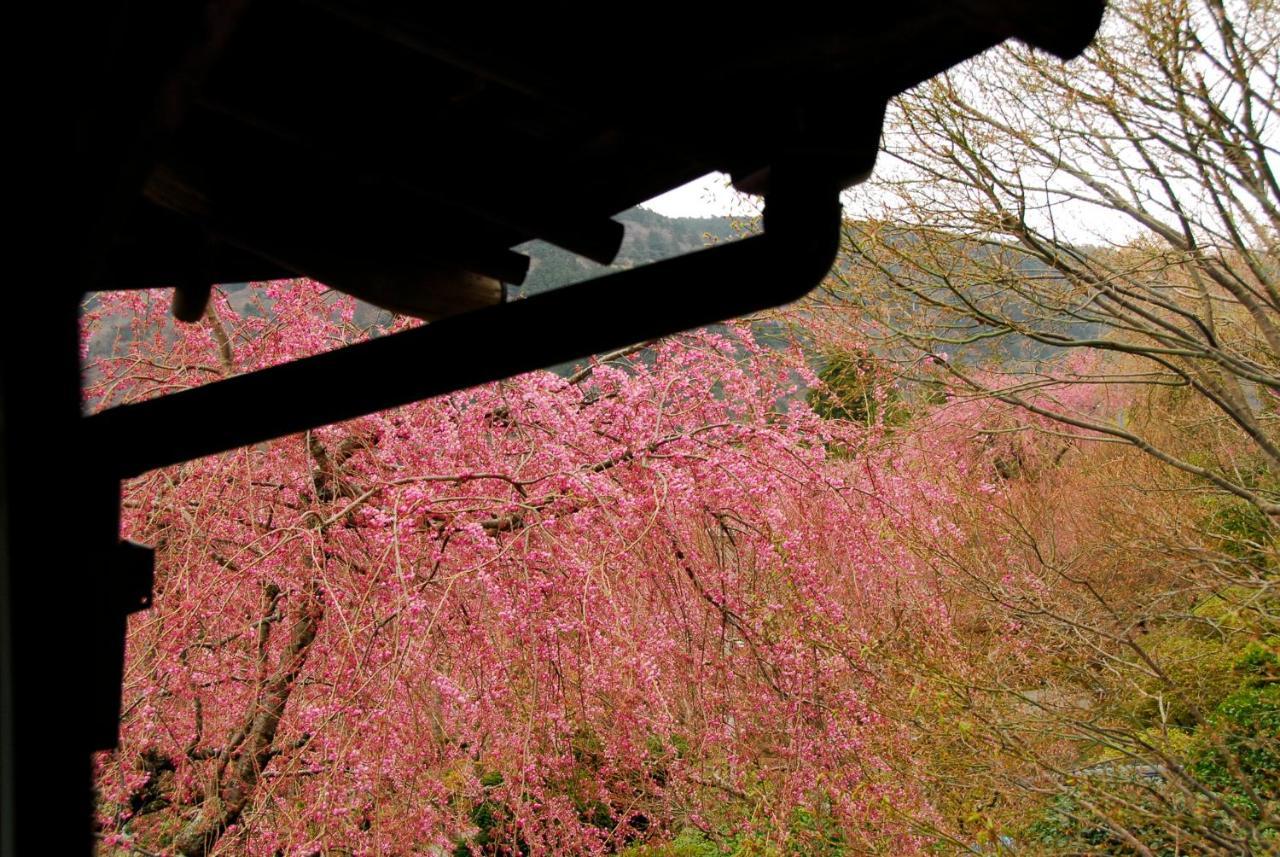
pixel 855 387
pixel 1065 823
pixel 690 842
pixel 1241 530
pixel 1201 670
pixel 808 834
pixel 1238 753
pixel 1259 663
pixel 1221 614
pixel 813 835
pixel 493 822
pixel 1216 713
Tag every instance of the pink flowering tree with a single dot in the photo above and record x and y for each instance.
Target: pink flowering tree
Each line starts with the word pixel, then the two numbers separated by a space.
pixel 548 615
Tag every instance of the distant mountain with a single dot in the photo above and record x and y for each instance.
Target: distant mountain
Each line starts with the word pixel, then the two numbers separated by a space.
pixel 649 236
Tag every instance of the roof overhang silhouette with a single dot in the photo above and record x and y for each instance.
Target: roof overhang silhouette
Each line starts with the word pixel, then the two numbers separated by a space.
pixel 399 155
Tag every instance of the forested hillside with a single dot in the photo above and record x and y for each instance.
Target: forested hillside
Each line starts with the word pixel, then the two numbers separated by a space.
pixel 649 236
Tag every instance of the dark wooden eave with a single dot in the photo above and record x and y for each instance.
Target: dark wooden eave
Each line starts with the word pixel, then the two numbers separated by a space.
pixel 400 157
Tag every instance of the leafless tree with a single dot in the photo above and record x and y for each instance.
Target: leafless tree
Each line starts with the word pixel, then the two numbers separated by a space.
pixel 1126 205
pixel 1035 233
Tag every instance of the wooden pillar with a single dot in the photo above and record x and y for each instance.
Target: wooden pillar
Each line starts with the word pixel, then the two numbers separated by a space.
pixel 46 578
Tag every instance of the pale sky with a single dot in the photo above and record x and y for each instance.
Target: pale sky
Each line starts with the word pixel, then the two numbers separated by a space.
pixel 714 196
pixel 709 196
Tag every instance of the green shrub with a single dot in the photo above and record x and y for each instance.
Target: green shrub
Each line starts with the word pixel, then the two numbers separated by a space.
pixel 855 388
pixel 1238 752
